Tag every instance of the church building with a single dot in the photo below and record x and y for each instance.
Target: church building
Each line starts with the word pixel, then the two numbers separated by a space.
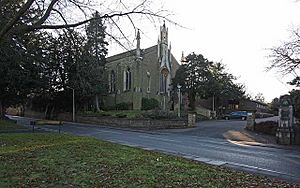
pixel 142 73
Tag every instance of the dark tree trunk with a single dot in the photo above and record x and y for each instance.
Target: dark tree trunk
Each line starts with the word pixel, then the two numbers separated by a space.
pixel 192 100
pixel 2 110
pixel 46 111
pixel 22 110
pixel 2 114
pixel 97 103
pixel 52 113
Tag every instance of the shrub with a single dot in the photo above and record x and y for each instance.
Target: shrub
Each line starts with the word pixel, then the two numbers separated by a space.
pixel 149 104
pixel 124 106
pixel 159 114
pixel 200 117
pixel 120 115
pixel 105 114
pixel 108 108
pixel 266 127
pixel 263 115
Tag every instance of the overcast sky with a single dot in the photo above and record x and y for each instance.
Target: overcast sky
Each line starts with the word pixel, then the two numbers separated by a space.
pixel 235 32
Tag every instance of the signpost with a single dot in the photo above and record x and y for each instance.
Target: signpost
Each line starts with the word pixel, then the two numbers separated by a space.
pixel 179 99
pixel 250 121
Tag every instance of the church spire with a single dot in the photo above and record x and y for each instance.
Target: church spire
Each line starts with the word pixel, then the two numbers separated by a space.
pixel 182 58
pixel 164 34
pixel 138 44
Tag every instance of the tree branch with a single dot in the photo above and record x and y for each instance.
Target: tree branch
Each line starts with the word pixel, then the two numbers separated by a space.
pixel 47 9
pixel 7 27
pixel 47 13
pixel 62 26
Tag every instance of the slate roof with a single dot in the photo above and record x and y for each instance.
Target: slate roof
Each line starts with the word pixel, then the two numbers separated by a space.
pixel 130 54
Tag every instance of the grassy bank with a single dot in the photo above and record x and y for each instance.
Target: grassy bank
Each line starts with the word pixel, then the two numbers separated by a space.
pixel 58 160
pixel 10 126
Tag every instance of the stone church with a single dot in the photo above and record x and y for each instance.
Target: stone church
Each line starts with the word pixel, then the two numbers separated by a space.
pixel 142 73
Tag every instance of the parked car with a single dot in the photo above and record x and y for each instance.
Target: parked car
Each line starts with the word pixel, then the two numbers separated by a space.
pixel 236 115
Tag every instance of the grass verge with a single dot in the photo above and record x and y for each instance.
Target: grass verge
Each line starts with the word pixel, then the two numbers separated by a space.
pixel 58 160
pixel 10 126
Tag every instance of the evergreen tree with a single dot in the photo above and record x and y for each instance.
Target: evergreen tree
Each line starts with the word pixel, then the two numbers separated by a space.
pixel 202 78
pixel 295 95
pixel 19 70
pixel 96 49
pixel 193 77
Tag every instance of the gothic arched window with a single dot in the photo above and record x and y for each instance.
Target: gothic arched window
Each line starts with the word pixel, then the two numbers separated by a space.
pixel 163 80
pixel 127 79
pixel 148 82
pixel 112 82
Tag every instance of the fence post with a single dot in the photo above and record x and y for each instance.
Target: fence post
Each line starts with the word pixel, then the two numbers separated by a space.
pixel 33 124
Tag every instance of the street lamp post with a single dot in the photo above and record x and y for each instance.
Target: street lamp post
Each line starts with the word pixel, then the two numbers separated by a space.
pixel 73 103
pixel 213 103
pixel 73 90
pixel 179 99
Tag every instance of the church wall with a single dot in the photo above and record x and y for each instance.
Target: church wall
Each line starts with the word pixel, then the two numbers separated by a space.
pixel 119 66
pixel 175 65
pixel 146 68
pixel 151 65
pixel 142 72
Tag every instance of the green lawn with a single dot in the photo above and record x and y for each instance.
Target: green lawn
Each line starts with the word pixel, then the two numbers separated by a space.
pixel 10 126
pixel 58 160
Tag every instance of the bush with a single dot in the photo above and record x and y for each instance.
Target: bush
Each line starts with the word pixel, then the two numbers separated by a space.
pixel 108 108
pixel 124 106
pixel 159 114
pixel 200 117
pixel 120 115
pixel 266 127
pixel 263 115
pixel 149 104
pixel 103 113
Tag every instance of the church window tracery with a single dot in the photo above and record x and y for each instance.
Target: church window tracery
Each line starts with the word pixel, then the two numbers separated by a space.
pixel 149 81
pixel 163 80
pixel 127 79
pixel 112 82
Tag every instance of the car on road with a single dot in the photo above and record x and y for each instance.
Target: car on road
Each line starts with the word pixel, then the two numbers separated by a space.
pixel 236 115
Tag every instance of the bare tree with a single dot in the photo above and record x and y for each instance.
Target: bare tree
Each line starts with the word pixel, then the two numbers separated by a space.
pixel 58 14
pixel 286 58
pixel 259 97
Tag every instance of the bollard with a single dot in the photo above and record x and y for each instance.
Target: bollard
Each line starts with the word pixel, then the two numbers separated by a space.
pixel 33 124
pixel 191 119
pixel 250 122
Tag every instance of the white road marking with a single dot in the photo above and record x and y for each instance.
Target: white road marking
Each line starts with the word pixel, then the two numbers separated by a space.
pixel 256 168
pixel 106 131
pixel 216 163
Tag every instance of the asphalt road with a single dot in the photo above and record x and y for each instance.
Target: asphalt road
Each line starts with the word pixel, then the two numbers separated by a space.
pixel 204 143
